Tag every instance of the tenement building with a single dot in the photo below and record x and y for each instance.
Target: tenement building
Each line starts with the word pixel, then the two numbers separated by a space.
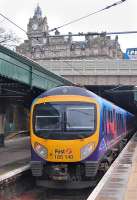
pixel 42 45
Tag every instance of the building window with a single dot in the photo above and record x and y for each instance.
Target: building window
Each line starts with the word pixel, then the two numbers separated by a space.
pixel 72 48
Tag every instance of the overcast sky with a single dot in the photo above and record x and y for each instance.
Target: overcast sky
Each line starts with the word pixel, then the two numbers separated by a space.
pixel 120 18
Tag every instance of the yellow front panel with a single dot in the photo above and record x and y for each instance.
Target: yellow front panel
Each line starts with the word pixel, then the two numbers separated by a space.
pixel 66 150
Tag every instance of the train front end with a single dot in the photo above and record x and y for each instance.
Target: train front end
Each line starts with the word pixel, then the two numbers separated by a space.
pixel 64 138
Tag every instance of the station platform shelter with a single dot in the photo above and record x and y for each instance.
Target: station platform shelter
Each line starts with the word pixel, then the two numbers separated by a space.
pixel 21 80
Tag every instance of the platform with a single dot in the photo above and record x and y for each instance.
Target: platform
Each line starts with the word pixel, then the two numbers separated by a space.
pixel 14 157
pixel 120 181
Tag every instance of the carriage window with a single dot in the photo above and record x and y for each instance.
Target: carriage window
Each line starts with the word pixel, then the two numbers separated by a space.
pixel 122 121
pixel 117 122
pixel 110 116
pixel 104 120
pixel 111 119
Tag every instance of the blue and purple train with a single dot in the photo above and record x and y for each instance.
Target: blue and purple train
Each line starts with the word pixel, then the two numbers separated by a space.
pixel 74 135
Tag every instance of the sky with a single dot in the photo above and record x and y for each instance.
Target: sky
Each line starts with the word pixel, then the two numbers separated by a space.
pixel 122 17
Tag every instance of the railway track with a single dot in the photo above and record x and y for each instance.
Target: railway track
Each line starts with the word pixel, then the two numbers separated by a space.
pixel 22 187
pixel 40 194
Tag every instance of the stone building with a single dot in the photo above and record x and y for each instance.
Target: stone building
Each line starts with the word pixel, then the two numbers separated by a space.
pixel 42 45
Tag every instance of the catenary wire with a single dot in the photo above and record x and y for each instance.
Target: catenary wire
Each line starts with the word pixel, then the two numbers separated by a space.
pixel 68 23
pixel 26 33
pixel 88 15
pixel 12 22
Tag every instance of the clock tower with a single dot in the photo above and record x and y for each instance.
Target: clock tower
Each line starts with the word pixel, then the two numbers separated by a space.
pixel 37 28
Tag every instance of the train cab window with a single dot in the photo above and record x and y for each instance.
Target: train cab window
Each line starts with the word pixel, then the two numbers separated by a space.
pixel 47 117
pixel 64 120
pixel 80 117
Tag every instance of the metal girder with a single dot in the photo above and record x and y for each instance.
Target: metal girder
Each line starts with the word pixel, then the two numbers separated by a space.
pixel 18 68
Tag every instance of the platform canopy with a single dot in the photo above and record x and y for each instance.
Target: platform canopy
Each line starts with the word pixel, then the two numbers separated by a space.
pixel 21 77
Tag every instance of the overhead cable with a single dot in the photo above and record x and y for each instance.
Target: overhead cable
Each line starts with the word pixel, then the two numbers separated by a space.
pixel 88 15
pixel 12 22
pixel 66 24
pixel 93 34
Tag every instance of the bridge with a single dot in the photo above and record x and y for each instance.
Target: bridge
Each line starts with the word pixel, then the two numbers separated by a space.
pixel 115 80
pixel 15 67
pixel 21 80
pixel 95 72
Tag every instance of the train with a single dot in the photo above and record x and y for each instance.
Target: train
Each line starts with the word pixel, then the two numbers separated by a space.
pixel 75 135
pixel 131 54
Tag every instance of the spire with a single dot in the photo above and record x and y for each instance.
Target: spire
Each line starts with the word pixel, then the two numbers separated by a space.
pixel 38 12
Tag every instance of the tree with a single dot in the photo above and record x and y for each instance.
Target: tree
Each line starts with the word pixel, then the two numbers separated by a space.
pixel 8 39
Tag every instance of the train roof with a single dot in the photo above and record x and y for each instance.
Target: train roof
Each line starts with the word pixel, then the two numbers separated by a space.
pixel 74 90
pixel 68 90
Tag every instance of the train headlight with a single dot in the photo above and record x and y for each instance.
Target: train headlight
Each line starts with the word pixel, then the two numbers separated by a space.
pixel 41 150
pixel 87 150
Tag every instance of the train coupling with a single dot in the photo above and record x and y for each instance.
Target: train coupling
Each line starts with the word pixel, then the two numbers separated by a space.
pixel 59 172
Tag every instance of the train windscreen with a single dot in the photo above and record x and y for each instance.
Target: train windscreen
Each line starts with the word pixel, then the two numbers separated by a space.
pixel 48 117
pixel 61 120
pixel 80 117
